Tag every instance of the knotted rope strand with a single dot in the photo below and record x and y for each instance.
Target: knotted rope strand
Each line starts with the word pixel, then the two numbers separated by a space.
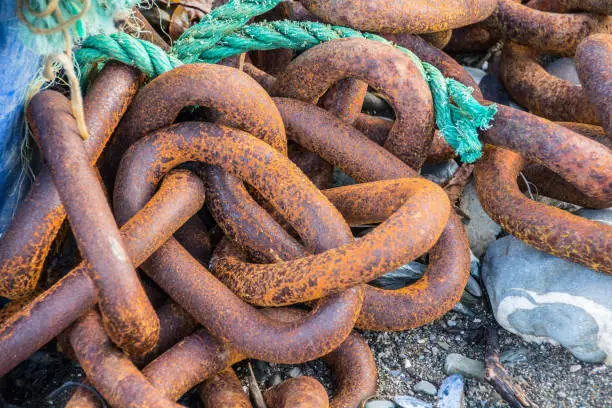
pixel 458 114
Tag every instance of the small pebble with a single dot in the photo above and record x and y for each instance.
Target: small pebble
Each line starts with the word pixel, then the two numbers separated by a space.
pixel 514 356
pixel 380 404
pixel 444 345
pixel 598 370
pixel 405 401
pixel 407 363
pixel 273 380
pixel 451 323
pixel 395 373
pixel 561 394
pixel 574 368
pixel 450 394
pixel 458 364
pixel 294 372
pixel 425 387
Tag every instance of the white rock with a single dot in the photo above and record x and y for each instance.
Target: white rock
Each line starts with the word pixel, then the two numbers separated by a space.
pixel 481 229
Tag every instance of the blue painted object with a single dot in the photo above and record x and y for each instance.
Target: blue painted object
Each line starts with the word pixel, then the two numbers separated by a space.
pixel 18 66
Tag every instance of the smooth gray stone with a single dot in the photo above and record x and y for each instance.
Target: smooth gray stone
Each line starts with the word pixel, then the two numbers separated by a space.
pixel 493 90
pixel 481 229
pixel 476 73
pixel 564 68
pixel 514 356
pixel 459 364
pixel 402 276
pixel 405 401
pixel 425 387
pixel 473 287
pixel 463 309
pixel 439 173
pixel 450 394
pixel 380 404
pixel 546 299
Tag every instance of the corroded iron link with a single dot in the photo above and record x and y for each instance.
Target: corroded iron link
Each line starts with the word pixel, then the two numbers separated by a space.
pixel 401 16
pixel 25 244
pixel 189 283
pixel 546 228
pixel 594 65
pixel 55 309
pixel 542 93
pixel 126 312
pixel 542 30
pixel 381 66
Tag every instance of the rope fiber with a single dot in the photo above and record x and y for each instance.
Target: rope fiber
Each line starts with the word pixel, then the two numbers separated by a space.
pixel 224 33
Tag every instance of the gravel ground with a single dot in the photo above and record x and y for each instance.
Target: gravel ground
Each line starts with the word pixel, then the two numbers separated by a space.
pixel 550 375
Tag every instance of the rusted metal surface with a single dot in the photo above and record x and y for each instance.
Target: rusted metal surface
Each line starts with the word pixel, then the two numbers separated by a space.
pixel 300 392
pixel 364 160
pixel 438 58
pixel 110 370
pixel 594 66
pixel 472 38
pixel 579 160
pixel 438 39
pixel 542 30
pixel 223 389
pixel 542 93
pixel 550 184
pixel 193 287
pixel 424 211
pixel 127 314
pixel 26 242
pixel 200 357
pixel 225 90
pixel 381 66
pixel 55 309
pixel 563 6
pixel 354 372
pixel 393 16
pixel 546 228
pixel 377 129
pixel 318 170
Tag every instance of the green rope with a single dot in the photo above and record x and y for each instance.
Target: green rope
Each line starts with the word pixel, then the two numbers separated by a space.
pixel 224 34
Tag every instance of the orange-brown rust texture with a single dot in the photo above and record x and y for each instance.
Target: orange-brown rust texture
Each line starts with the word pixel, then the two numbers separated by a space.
pixel 579 160
pixel 438 39
pixel 111 371
pixel 199 356
pixel 377 129
pixel 25 244
pixel 299 392
pixel 563 6
pixel 546 228
pixel 594 66
pixel 55 309
pixel 472 38
pixel 401 16
pixel 232 93
pixel 223 390
pixel 542 30
pixel 189 283
pixel 354 371
pixel 424 213
pixel 550 184
pixel 127 313
pixel 542 93
pixel 441 60
pixel 351 151
pixel 381 66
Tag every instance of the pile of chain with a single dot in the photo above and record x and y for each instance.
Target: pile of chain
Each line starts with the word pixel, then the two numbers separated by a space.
pixel 202 207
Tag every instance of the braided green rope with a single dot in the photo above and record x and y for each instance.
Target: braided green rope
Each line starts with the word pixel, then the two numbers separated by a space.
pixel 458 114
